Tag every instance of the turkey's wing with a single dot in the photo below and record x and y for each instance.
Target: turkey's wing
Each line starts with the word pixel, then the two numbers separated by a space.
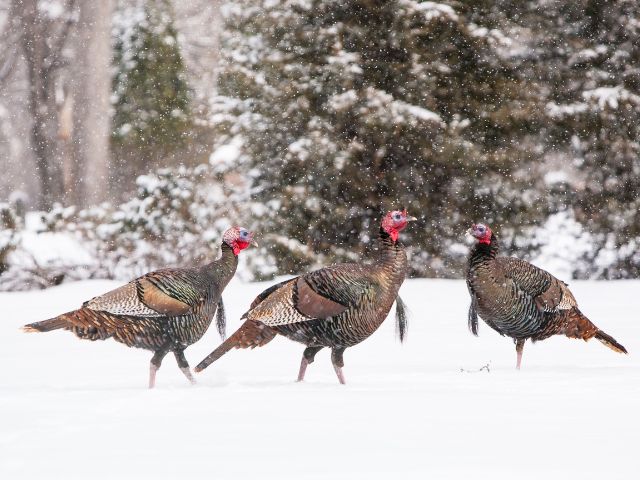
pixel 313 304
pixel 548 293
pixel 143 297
pixel 332 290
pixel 263 295
pixel 156 299
pixel 317 295
pixel 121 301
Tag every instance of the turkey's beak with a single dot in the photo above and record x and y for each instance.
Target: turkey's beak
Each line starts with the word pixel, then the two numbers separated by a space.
pixel 411 219
pixel 468 238
pixel 252 241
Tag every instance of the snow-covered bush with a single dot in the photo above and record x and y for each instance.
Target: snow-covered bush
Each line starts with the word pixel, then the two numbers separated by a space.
pixel 562 246
pixel 33 258
pixel 176 219
pixel 10 226
pixel 340 110
pixel 593 107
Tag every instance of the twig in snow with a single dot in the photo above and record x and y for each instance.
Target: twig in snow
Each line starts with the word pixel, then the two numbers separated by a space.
pixel 484 367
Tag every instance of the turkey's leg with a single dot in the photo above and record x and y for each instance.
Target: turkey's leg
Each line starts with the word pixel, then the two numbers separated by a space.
pixel 307 358
pixel 184 365
pixel 154 366
pixel 338 363
pixel 519 349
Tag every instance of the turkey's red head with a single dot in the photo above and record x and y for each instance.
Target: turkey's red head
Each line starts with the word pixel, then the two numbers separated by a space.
pixel 482 233
pixel 238 239
pixel 395 221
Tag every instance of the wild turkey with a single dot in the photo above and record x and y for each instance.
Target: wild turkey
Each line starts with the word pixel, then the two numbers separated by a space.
pixel 522 301
pixel 163 311
pixel 335 307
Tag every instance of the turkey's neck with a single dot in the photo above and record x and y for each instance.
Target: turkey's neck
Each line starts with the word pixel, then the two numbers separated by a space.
pixel 483 253
pixel 223 269
pixel 392 258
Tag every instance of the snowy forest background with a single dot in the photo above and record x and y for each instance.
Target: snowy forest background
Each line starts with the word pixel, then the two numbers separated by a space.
pixel 133 132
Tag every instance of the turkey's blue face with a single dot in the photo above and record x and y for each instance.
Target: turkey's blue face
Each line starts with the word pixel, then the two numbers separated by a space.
pixel 481 232
pixel 238 239
pixel 244 235
pixel 395 221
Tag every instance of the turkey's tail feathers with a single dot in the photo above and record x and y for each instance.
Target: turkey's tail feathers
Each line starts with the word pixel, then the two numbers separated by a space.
pixel 250 335
pixel 86 324
pixel 216 354
pixel 46 325
pixel 610 342
pixel 579 326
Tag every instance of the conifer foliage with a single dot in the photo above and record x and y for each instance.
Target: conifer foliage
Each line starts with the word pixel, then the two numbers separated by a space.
pixel 151 95
pixel 594 110
pixel 342 109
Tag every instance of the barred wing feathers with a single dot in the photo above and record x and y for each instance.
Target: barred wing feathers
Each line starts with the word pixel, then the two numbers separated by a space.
pixel 164 293
pixel 321 294
pixel 549 294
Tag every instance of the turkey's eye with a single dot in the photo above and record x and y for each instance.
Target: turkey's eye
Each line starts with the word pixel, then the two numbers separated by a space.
pixel 397 216
pixel 481 229
pixel 243 234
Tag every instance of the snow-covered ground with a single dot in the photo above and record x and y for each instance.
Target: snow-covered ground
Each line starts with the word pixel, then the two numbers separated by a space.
pixel 78 409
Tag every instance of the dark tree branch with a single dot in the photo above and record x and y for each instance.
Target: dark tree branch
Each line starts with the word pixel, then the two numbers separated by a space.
pixel 34 29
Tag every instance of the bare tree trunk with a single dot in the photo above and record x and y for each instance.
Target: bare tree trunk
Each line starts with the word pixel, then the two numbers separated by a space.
pixel 91 87
pixel 42 39
pixel 41 101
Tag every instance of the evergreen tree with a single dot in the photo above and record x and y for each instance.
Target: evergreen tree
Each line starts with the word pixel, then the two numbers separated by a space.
pixel 343 109
pixel 10 226
pixel 590 72
pixel 151 95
